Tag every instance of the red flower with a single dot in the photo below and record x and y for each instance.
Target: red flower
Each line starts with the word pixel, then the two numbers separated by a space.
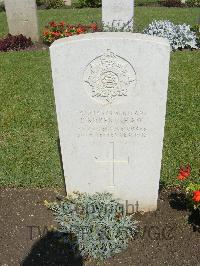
pixel 196 195
pixel 56 33
pixel 70 26
pixel 67 34
pixel 52 24
pixel 62 24
pixel 93 26
pixel 80 30
pixel 45 33
pixel 184 172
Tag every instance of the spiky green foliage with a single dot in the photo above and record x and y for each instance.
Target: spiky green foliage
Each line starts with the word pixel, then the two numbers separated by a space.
pixel 95 224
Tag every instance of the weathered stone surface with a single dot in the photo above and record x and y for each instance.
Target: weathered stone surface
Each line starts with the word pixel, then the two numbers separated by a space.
pixel 22 18
pixel 111 91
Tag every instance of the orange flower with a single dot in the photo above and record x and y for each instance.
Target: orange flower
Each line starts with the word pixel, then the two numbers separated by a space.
pixel 45 33
pixel 80 30
pixel 196 196
pixel 68 34
pixel 184 172
pixel 52 24
pixel 56 33
pixel 93 26
pixel 181 177
pixel 62 24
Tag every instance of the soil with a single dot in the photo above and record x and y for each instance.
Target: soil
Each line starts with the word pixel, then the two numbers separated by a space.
pixel 37 46
pixel 171 236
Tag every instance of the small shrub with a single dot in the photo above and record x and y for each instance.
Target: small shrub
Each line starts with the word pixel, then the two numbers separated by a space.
pixel 54 31
pixel 96 224
pixel 89 3
pixel 172 3
pixel 179 36
pixel 14 43
pixel 40 2
pixel 2 6
pixel 55 3
pixel 193 3
pixel 146 3
pixel 47 4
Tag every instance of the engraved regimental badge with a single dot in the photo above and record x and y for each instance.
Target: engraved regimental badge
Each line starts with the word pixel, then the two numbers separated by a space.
pixel 109 77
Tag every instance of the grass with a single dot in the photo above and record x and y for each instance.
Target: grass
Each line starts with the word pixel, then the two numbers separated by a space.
pixel 29 153
pixel 143 16
pixel 182 131
pixel 28 143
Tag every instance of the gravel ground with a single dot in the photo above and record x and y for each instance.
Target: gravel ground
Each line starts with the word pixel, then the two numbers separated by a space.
pixel 167 238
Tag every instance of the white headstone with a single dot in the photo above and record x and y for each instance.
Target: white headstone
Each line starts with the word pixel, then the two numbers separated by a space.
pixel 68 2
pixel 118 14
pixel 111 91
pixel 22 18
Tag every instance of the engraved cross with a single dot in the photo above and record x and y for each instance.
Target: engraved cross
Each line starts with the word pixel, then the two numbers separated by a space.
pixel 113 162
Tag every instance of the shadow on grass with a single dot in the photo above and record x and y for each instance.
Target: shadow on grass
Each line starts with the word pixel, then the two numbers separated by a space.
pixel 51 250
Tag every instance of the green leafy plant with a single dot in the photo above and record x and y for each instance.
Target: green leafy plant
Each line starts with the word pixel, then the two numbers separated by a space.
pixel 95 224
pixel 89 3
pixel 54 3
pixel 193 3
pixel 2 6
pixel 40 2
pixel 47 4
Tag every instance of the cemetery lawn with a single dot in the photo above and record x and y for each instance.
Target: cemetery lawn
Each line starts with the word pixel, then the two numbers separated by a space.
pixel 29 150
pixel 143 16
pixel 29 138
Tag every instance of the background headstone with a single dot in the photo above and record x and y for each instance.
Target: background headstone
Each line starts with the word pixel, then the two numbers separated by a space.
pixel 111 105
pixel 118 14
pixel 22 18
pixel 68 2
